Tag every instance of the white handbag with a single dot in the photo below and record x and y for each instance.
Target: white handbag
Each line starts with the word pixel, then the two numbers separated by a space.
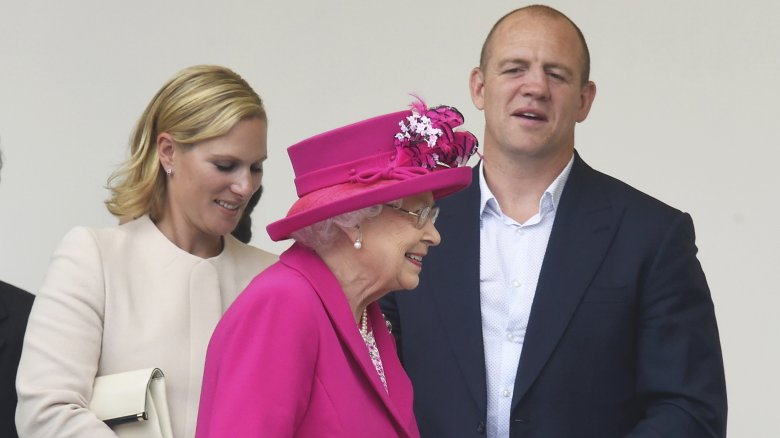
pixel 133 403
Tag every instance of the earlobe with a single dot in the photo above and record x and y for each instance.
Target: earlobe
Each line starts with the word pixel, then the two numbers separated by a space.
pixel 476 87
pixel 358 240
pixel 354 235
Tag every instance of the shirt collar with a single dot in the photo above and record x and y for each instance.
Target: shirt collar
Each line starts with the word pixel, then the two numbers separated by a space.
pixel 549 201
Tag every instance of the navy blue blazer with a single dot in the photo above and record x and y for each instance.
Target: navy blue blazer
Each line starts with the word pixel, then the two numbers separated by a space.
pixel 621 341
pixel 15 305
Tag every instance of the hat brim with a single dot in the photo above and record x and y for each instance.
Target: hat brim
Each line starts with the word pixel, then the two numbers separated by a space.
pixel 441 183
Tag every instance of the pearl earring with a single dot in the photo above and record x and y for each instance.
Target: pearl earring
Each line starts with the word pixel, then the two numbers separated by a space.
pixel 169 171
pixel 358 240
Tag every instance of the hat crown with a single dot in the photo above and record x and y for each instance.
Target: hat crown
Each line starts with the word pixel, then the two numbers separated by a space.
pixel 336 156
pixel 376 161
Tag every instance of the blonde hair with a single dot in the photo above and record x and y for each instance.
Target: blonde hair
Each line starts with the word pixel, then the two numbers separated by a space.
pixel 197 104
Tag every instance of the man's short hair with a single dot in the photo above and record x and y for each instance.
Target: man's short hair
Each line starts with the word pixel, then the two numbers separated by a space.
pixel 545 11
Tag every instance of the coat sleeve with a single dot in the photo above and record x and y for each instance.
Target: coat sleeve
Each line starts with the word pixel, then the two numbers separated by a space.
pixel 260 365
pixel 680 375
pixel 62 345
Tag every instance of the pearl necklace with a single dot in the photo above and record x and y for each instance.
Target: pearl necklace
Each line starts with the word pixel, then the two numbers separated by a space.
pixel 373 350
pixel 364 324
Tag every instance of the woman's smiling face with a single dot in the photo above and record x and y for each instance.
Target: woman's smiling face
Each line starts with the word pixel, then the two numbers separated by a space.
pixel 393 247
pixel 212 181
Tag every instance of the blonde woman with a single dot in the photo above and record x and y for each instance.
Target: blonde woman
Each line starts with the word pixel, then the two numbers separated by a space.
pixel 149 292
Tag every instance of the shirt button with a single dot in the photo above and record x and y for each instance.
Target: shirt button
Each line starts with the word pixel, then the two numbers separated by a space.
pixel 506 393
pixel 510 337
pixel 520 231
pixel 516 283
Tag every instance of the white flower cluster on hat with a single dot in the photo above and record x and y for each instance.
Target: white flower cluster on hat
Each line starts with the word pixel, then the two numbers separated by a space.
pixel 420 126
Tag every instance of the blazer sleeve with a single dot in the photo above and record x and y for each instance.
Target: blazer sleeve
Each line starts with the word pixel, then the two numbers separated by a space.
pixel 62 345
pixel 260 366
pixel 680 373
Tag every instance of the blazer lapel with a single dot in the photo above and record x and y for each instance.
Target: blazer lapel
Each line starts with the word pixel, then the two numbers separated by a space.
pixel 310 265
pixel 585 224
pixel 3 315
pixel 453 280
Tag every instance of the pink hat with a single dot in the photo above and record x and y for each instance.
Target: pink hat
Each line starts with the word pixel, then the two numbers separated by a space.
pixel 376 161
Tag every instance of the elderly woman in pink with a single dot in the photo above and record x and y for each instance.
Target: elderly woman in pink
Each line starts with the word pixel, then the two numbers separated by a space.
pixel 305 351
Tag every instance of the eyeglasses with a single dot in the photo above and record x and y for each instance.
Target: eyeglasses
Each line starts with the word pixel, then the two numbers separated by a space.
pixel 422 214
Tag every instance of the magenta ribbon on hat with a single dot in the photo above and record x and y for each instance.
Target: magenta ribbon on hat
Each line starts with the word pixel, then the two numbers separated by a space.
pixel 369 176
pixel 427 141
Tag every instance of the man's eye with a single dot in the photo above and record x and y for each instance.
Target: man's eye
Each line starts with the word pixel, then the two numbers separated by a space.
pixel 256 169
pixel 224 167
pixel 557 76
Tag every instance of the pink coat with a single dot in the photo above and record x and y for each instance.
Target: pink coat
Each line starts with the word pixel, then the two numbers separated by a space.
pixel 287 360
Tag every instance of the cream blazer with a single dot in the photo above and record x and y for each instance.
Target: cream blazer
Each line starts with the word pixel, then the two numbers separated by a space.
pixel 119 299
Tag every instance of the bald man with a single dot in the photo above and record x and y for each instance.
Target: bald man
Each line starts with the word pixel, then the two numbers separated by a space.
pixel 561 302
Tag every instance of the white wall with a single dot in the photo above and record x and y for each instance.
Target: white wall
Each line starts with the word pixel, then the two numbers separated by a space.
pixel 687 95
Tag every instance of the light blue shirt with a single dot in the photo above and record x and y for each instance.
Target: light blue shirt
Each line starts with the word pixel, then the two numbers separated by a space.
pixel 511 256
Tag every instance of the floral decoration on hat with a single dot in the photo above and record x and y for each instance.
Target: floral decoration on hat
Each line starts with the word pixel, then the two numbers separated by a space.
pixel 428 138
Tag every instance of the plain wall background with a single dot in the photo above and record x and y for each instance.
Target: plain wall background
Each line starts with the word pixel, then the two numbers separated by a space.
pixel 686 110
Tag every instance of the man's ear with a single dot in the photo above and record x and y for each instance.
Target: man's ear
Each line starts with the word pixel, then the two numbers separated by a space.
pixel 587 95
pixel 477 87
pixel 166 151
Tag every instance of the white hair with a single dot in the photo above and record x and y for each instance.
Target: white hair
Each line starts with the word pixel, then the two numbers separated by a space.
pixel 323 234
